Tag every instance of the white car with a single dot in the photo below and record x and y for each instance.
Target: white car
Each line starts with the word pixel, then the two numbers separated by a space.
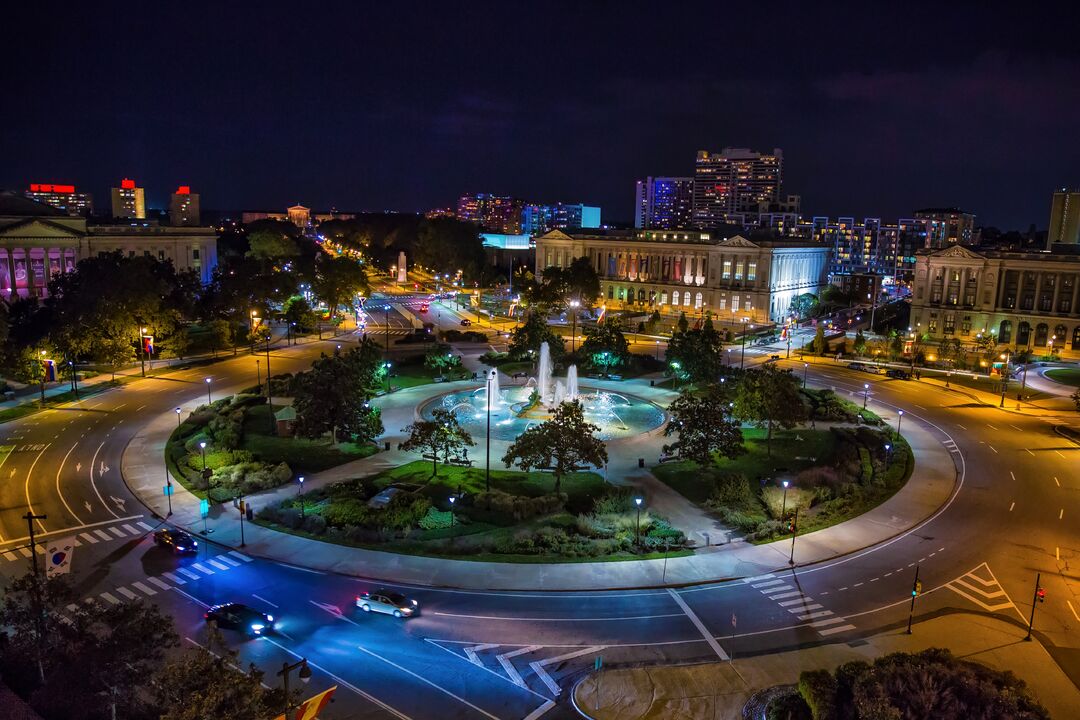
pixel 388 602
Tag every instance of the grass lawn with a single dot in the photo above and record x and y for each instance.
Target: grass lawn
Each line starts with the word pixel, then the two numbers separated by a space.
pixel 302 455
pixel 1066 376
pixel 33 406
pixel 988 384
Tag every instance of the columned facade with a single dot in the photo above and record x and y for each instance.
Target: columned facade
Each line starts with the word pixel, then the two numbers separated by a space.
pixel 1026 301
pixel 688 271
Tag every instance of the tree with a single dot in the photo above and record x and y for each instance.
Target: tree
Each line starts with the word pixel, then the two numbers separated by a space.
pixel 219 334
pixel 860 343
pixel 270 244
pixel 704 425
pixel 949 349
pixel 442 433
pixel 768 396
pixel 563 444
pixel 338 279
pixel 683 324
pixel 698 352
pixel 1076 399
pixel 199 685
pixel 298 312
pixel 820 345
pixel 333 395
pixel 804 305
pixel 606 341
pixel 443 362
pixel 527 337
pixel 449 245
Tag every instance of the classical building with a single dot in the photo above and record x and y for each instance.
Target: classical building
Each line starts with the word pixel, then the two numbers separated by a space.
pixel 692 271
pixel 1025 300
pixel 38 241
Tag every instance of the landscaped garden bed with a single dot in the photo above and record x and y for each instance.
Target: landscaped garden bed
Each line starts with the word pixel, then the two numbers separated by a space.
pixel 520 519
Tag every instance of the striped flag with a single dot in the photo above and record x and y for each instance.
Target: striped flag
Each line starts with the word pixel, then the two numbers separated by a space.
pixel 310 708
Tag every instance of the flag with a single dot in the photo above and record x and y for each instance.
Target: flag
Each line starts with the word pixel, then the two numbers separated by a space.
pixel 603 310
pixel 148 344
pixel 50 371
pixel 310 708
pixel 58 556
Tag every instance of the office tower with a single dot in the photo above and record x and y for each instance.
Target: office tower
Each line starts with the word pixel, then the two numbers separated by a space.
pixel 567 215
pixel 735 180
pixel 664 203
pixel 184 207
pixel 492 212
pixel 128 201
pixel 947 226
pixel 536 219
pixel 62 197
pixel 1064 218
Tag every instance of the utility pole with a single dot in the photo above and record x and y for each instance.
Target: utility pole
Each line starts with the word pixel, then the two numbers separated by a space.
pixel 916 588
pixel 1038 597
pixel 269 399
pixel 39 610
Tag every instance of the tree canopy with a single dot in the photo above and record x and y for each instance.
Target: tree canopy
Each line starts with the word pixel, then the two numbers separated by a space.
pixel 533 331
pixel 606 337
pixel 698 352
pixel 563 444
pixel 338 280
pixel 558 285
pixel 704 425
pixel 441 434
pixel 767 396
pixel 333 395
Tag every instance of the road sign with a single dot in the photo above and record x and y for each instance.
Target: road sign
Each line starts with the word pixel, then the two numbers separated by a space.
pixel 204 507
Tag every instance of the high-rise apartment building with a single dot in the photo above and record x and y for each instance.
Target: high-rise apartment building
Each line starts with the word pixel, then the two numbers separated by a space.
pixel 62 197
pixel 1064 218
pixel 664 203
pixel 128 201
pixel 735 180
pixel 574 215
pixel 536 219
pixel 947 226
pixel 184 207
pixel 495 213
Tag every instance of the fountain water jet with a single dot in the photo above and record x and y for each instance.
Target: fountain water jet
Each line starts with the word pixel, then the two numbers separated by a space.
pixel 543 373
pixel 572 383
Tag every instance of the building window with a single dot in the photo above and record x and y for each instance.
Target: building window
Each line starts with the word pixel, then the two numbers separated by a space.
pixel 1076 338
pixel 610 292
pixel 1060 335
pixel 686 299
pixel 734 303
pixel 160 254
pixel 748 305
pixel 663 297
pixel 131 253
pixel 723 302
pixel 931 324
pixel 950 324
pixel 1005 331
pixel 697 301
pixel 1023 333
pixel 738 270
pixel 675 297
pixel 965 325
pixel 751 270
pixel 622 294
pixel 1042 334
pixel 726 275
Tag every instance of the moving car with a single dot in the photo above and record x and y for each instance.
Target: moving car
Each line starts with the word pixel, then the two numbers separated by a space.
pixel 176 540
pixel 388 602
pixel 466 322
pixel 424 308
pixel 240 617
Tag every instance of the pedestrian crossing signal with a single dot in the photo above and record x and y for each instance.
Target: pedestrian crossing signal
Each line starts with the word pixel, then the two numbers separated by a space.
pixel 916 589
pixel 1041 594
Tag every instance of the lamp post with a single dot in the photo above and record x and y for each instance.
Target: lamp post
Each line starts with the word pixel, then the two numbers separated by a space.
pixel 142 350
pixel 574 305
pixel 783 504
pixel 386 322
pixel 805 367
pixel 899 417
pixel 675 374
pixel 208 400
pixel 487 437
pixel 637 524
pixel 1004 378
pixel 202 451
pixel 258 374
pixel 300 494
pixel 241 499
pixel 865 394
pixel 177 418
pixel 794 531
pixel 269 397
pixel 453 522
pixel 657 349
pixel 386 367
pixel 742 354
pixel 304 675
pixel 74 378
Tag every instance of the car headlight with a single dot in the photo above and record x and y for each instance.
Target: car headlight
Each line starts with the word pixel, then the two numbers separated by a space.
pixel 415 604
pixel 181 547
pixel 270 618
pixel 257 628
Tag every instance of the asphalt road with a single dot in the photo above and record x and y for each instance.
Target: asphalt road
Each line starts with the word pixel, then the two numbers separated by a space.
pixel 513 655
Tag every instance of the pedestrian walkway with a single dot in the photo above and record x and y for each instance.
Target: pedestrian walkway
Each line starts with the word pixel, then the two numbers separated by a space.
pixel 715 691
pixel 931 486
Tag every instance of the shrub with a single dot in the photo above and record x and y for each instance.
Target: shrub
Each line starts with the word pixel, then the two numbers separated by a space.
pixel 500 508
pixel 475 336
pixel 816 477
pixel 788 707
pixel 818 690
pixel 732 491
pixel 289 517
pixel 773 497
pixel 314 524
pixel 436 520
pixel 615 500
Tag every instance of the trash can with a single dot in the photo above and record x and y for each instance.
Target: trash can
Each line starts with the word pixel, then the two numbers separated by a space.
pixel 652 383
pixel 387 445
pixel 250 512
pixel 641 462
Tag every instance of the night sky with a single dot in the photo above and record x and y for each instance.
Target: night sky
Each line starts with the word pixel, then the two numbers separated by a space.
pixel 404 106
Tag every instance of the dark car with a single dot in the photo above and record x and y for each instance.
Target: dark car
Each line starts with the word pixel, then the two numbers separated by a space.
pixel 176 540
pixel 238 616
pixel 898 374
pixel 388 602
pixel 465 322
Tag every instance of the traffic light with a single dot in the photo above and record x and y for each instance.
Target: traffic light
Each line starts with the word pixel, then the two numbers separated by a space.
pixel 916 589
pixel 1041 594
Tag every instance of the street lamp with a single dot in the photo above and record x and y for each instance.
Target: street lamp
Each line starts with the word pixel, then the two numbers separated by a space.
pixel 805 367
pixel 208 400
pixel 637 524
pixel 142 350
pixel 304 675
pixel 899 417
pixel 888 453
pixel 386 367
pixel 453 523
pixel 783 504
pixel 74 378
pixel 487 438
pixel 177 418
pixel 574 304
pixel 1004 378
pixel 865 394
pixel 657 349
pixel 202 451
pixel 675 374
pixel 386 322
pixel 742 354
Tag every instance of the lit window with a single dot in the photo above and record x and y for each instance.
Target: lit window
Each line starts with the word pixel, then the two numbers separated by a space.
pixel 738 270
pixel 726 275
pixel 751 270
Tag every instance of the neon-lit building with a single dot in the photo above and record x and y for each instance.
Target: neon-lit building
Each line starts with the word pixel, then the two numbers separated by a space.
pixel 184 207
pixel 947 226
pixel 62 197
pixel 128 201
pixel 664 203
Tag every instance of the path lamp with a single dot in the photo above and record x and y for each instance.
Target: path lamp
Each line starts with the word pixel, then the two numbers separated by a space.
pixel 1004 378
pixel 177 418
pixel 888 453
pixel 258 374
pixel 899 417
pixel 300 494
pixel 453 524
pixel 948 375
pixel 783 504
pixel 142 350
pixel 44 375
pixel 74 378
pixel 241 499
pixel 386 322
pixel 657 349
pixel 742 354
pixel 202 451
pixel 487 437
pixel 254 325
pixel 675 374
pixel 574 305
pixel 794 531
pixel 304 675
pixel 805 367
pixel 386 368
pixel 208 400
pixel 637 524
pixel 269 398
pixel 865 394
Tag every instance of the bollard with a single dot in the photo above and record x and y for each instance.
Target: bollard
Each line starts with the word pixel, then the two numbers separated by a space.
pixel 652 383
pixel 250 512
pixel 641 462
pixel 708 540
pixel 386 445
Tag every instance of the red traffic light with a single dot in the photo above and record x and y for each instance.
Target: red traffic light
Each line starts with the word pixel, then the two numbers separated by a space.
pixel 1041 594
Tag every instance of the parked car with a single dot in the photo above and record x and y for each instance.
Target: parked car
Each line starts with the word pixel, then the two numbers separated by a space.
pixel 388 602
pixel 240 617
pixel 465 322
pixel 177 541
pixel 898 374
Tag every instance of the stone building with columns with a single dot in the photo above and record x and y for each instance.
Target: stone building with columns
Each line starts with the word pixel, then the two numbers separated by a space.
pixel 38 242
pixel 1026 300
pixel 692 271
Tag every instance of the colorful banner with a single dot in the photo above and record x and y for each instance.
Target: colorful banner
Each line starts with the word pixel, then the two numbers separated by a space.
pixel 50 371
pixel 310 708
pixel 148 344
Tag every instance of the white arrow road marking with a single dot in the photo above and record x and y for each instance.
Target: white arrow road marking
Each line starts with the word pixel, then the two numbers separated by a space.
pixel 538 666
pixel 89 507
pixel 78 467
pixel 94 485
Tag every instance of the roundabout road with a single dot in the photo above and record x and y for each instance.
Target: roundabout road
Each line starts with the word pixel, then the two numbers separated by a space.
pixel 512 654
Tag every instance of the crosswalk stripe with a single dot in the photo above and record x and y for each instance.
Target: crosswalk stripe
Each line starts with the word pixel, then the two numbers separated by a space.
pixel 202 568
pixel 837 629
pixel 229 560
pixel 143 587
pixel 88 538
pixel 239 556
pixel 144 526
pixel 816 615
pixel 828 621
pixel 126 593
pixel 39 549
pixel 116 531
pixel 783 595
pixel 804 608
pixel 767 583
pixel 159 583
pixel 110 597
pixel 131 530
pixel 800 601
pixel 219 566
pixel 103 535
pixel 175 578
pixel 185 571
pixel 25 552
pixel 10 555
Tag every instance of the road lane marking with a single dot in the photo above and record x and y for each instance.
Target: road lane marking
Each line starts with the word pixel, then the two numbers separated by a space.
pixel 1029 452
pixel 826 622
pixel 1012 505
pixel 219 566
pixel 126 593
pixel 1015 428
pixel 514 618
pixel 103 535
pixel 816 615
pixel 1073 610
pixel 837 629
pixel 202 568
pixel 540 710
pixel 1061 514
pixel 264 600
pixel 93 484
pixel 421 678
pixel 1059 453
pixel 508 667
pixel 240 555
pixel 110 598
pixel 992 448
pixel 144 526
pixel 991 427
pixel 1057 482
pixel 781 596
pixel 766 584
pixel 228 560
pixel 804 608
pixel 188 573
pixel 116 531
pixel 131 530
pixel 59 492
pixel 788 603
pixel 961 426
pixel 538 666
pixel 470 652
pixel 29 475
pixel 10 556
pixel 1012 475
pixel 699 625
pixel 26 552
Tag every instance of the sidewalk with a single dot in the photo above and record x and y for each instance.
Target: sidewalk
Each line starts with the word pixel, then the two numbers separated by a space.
pixel 143 469
pixel 716 691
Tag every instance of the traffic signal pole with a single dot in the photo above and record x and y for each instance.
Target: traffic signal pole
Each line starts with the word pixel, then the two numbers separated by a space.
pixel 916 586
pixel 1037 597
